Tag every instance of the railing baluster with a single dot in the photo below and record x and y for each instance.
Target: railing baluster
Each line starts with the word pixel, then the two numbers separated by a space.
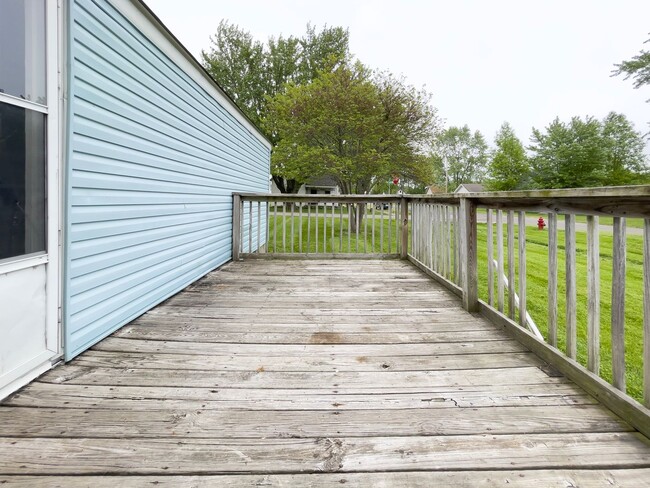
pixel 300 227
pixel 571 292
pixel 365 228
pixel 373 226
pixel 349 225
pixel 332 231
pixel 646 312
pixel 457 263
pixel 267 226
pixel 259 224
pixel 552 279
pixel 500 263
pixel 292 227
pixel 236 226
pixel 284 227
pixel 357 223
pixel 490 258
pixel 522 268
pixel 618 304
pixel 308 227
pixel 341 228
pixel 381 227
pixel 511 263
pixel 316 226
pixel 593 294
pixel 250 227
pixel 396 221
pixel 324 226
pixel 390 222
pixel 447 242
pixel 433 235
pixel 275 227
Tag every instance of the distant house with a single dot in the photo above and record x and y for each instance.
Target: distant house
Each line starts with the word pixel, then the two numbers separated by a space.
pixel 325 185
pixel 435 189
pixel 469 188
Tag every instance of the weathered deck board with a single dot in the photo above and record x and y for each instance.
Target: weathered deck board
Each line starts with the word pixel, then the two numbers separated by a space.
pixel 313 373
pixel 358 454
pixel 611 478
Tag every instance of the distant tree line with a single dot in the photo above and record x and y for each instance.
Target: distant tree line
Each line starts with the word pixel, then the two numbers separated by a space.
pixel 327 114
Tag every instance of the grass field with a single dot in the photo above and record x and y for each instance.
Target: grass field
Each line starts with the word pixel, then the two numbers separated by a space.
pixel 536 270
pixel 537 293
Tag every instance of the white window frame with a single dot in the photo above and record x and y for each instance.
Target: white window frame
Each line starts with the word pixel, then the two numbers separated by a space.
pixel 51 257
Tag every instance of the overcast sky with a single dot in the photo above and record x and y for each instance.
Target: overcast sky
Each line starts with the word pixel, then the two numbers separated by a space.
pixel 485 62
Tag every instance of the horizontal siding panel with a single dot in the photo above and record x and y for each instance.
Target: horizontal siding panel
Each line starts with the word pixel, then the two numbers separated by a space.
pixel 123 49
pixel 100 215
pixel 153 162
pixel 121 138
pixel 114 281
pixel 98 230
pixel 107 246
pixel 98 327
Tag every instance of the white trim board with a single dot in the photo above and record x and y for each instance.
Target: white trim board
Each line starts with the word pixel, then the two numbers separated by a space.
pixel 138 14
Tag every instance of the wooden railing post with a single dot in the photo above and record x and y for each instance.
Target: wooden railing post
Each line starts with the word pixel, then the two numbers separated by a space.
pixel 236 226
pixel 468 254
pixel 405 228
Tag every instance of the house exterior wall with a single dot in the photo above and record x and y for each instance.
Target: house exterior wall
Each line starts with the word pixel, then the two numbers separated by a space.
pixel 155 151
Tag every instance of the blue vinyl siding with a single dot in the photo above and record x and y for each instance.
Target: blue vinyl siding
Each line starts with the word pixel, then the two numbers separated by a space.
pixel 153 162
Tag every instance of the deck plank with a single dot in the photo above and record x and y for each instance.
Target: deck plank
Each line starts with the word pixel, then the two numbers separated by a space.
pixel 313 373
pixel 611 478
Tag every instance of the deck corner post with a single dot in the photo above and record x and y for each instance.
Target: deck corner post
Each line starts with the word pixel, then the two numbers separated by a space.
pixel 236 226
pixel 468 255
pixel 405 228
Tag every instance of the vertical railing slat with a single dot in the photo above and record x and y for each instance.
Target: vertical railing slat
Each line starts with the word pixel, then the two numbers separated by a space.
pixel 300 227
pixel 552 279
pixel 571 291
pixel 490 258
pixel 511 263
pixel 250 227
pixel 332 230
pixel 275 227
pixel 500 263
pixel 522 268
pixel 341 227
pixel 284 227
pixel 593 294
pixel 316 226
pixel 292 226
pixel 236 226
pixel 646 312
pixel 308 228
pixel 259 224
pixel 404 209
pixel 618 304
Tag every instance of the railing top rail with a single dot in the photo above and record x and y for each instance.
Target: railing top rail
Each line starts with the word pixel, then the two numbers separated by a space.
pixel 631 201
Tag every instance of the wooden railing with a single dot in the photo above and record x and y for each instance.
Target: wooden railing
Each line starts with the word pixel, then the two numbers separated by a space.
pixel 486 248
pixel 266 226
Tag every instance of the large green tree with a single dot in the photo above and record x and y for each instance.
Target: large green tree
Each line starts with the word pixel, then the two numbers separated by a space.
pixel 464 155
pixel 625 161
pixel 587 152
pixel 509 167
pixel 351 124
pixel 252 72
pixel 637 68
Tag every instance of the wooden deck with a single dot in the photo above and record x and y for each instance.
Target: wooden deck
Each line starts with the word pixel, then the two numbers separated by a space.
pixel 313 373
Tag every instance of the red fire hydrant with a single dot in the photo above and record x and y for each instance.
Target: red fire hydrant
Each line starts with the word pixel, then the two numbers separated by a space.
pixel 541 224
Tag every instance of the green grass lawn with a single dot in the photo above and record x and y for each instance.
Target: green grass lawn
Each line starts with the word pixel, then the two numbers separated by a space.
pixel 537 296
pixel 339 238
pixel 536 271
